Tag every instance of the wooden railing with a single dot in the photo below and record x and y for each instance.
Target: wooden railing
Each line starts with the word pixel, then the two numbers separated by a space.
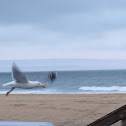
pixel 111 118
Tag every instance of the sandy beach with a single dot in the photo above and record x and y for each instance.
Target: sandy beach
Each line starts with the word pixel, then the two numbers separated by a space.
pixel 60 109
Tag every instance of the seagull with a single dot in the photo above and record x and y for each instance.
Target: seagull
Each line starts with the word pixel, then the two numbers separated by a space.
pixel 20 80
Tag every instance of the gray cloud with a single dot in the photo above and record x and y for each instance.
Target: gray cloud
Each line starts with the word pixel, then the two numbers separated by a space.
pixel 71 16
pixel 41 11
pixel 61 26
pixel 26 36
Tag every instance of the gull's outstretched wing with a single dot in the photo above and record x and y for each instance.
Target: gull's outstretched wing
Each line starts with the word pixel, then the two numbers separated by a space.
pixel 18 75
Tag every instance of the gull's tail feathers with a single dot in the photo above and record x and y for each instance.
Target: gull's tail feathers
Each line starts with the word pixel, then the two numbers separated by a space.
pixel 8 84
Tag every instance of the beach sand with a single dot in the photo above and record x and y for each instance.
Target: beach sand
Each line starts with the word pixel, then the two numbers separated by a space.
pixel 60 109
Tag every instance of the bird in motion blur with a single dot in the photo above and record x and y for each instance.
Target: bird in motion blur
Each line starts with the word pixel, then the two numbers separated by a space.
pixel 20 80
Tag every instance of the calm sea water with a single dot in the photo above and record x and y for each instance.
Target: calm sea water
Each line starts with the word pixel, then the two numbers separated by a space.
pixel 92 81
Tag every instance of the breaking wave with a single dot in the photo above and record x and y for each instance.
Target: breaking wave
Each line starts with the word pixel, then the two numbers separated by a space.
pixel 112 89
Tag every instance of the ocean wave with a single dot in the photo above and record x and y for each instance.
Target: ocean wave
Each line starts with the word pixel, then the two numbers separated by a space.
pixel 103 89
pixel 81 90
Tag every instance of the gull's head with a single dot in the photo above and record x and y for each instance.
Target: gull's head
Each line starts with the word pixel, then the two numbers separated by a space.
pixel 39 84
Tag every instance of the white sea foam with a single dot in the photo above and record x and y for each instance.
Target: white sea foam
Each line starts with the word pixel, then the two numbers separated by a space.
pixel 112 89
pixel 47 91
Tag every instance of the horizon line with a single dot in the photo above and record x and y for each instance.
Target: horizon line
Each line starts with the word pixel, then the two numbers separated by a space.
pixel 62 59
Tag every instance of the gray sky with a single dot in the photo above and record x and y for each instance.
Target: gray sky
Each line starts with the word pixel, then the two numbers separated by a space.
pixel 63 64
pixel 39 29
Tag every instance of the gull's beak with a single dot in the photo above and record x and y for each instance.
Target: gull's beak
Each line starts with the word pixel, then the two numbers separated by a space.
pixel 43 86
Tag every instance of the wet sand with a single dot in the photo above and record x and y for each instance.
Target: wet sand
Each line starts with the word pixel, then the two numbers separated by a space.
pixel 60 109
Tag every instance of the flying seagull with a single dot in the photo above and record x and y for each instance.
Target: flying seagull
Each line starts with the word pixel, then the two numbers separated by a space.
pixel 22 82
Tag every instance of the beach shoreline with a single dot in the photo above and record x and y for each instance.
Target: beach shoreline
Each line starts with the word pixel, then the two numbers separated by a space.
pixel 60 109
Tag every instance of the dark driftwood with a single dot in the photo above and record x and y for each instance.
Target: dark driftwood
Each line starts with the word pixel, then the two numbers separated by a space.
pixel 111 118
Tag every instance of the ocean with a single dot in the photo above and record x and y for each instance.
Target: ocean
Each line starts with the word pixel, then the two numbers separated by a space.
pixel 72 82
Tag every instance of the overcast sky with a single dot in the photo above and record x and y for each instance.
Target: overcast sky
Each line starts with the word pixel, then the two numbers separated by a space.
pixel 37 29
